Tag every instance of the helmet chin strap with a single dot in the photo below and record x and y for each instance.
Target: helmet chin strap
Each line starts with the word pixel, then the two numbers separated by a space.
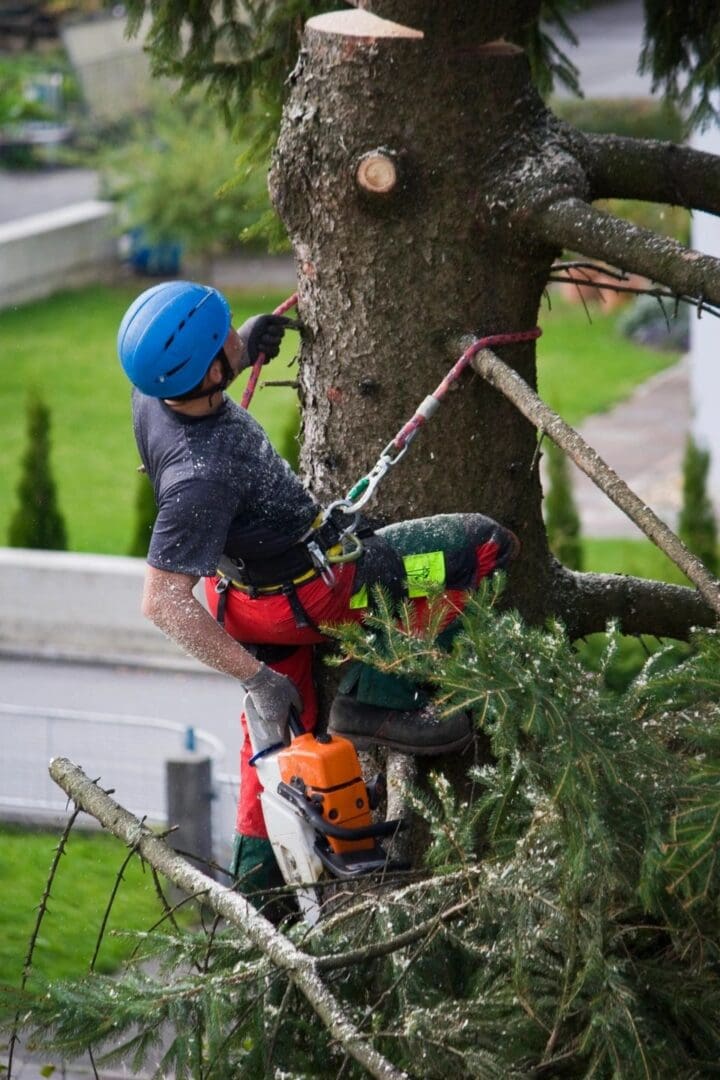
pixel 210 391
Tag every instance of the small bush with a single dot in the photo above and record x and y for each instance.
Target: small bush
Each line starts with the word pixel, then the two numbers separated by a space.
pixel 562 520
pixel 646 322
pixel 37 522
pixel 697 526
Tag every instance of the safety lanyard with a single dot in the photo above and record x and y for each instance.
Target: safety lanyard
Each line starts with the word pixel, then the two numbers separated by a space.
pixel 361 492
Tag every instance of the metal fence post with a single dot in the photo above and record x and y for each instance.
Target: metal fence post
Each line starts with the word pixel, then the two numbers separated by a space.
pixel 189 806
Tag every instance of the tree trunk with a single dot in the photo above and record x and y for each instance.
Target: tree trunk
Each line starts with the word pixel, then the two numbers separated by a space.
pixel 421 180
pixel 391 280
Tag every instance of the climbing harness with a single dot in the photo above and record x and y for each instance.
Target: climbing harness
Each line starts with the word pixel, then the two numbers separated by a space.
pixel 347 544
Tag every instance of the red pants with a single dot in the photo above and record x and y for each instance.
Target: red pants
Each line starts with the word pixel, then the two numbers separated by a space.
pixel 268 620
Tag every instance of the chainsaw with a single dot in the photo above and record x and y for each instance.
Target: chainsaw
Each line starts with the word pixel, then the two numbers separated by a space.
pixel 317 808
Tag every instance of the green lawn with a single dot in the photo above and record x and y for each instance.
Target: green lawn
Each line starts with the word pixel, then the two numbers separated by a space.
pixel 65 347
pixel 587 367
pixel 79 898
pixel 639 558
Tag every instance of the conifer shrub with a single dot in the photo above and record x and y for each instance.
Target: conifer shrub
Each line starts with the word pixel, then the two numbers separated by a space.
pixel 562 521
pixel 37 521
pixel 564 920
pixel 697 526
pixel 145 514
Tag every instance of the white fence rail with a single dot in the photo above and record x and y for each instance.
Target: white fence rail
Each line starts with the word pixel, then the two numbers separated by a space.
pixel 126 753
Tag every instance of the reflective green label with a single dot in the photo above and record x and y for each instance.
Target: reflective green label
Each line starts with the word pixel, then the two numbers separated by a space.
pixel 360 598
pixel 423 571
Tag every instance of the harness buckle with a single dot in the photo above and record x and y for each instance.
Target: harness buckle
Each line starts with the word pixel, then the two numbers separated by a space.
pixel 222 585
pixel 321 564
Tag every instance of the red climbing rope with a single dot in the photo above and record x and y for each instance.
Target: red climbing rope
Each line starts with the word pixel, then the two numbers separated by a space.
pixel 432 401
pixel 257 366
pixel 364 488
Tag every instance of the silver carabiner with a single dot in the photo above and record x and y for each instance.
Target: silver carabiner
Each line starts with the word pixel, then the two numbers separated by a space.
pixel 321 564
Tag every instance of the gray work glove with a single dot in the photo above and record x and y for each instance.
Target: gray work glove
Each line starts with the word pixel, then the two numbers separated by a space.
pixel 273 696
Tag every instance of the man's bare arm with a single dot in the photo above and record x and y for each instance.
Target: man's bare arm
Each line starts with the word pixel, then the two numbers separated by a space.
pixel 169 603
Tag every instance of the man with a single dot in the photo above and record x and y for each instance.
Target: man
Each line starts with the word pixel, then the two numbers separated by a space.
pixel 230 510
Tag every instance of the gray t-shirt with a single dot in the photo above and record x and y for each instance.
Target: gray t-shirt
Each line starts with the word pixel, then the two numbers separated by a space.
pixel 220 488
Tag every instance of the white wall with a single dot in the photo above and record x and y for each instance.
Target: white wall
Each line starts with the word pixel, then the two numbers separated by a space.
pixel 68 605
pixel 705 337
pixel 59 249
pixel 113 70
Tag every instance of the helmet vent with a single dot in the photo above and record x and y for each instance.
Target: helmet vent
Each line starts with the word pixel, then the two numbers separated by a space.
pixel 178 367
pixel 168 343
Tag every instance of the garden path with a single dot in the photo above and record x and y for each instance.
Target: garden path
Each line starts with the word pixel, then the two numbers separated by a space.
pixel 643 439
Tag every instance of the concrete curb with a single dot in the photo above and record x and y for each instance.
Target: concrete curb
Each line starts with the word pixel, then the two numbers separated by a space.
pixel 69 606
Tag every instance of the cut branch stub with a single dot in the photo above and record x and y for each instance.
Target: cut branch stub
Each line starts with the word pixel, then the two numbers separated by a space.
pixel 359 24
pixel 377 172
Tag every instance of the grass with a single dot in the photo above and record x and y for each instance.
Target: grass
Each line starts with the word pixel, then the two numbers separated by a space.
pixel 65 348
pixel 639 558
pixel 80 895
pixel 587 367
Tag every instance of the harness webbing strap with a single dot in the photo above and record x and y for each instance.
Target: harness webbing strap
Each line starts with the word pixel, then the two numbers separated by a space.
pixel 303 620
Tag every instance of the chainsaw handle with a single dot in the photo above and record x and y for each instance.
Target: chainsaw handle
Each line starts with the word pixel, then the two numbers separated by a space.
pixel 338 832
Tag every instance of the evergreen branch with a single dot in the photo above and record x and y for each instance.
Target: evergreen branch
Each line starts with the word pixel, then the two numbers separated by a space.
pixel 423 944
pixel 575 225
pixel 664 172
pixel 42 910
pixel 299 966
pixel 96 1074
pixel 394 944
pixel 508 382
pixel 235 1027
pixel 270 1053
pixel 108 907
pixel 205 965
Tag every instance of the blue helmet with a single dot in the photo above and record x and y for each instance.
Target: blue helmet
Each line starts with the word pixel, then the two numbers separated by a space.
pixel 170 336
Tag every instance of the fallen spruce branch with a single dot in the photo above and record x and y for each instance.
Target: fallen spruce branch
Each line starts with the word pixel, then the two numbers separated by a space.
pixel 300 967
pixel 509 383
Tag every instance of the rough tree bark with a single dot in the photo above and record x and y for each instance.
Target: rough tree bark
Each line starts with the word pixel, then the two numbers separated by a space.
pixel 426 190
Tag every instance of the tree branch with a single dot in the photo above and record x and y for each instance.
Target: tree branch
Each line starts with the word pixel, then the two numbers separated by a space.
pixel 573 224
pixel 301 967
pixel 586 602
pixel 663 172
pixel 581 276
pixel 509 383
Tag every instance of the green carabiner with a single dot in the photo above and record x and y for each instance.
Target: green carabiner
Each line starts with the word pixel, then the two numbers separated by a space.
pixel 358 489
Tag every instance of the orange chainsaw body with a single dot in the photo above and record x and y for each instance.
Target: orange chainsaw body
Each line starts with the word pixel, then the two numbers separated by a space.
pixel 328 769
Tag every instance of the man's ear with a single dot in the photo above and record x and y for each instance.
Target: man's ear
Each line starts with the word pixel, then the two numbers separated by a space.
pixel 214 373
